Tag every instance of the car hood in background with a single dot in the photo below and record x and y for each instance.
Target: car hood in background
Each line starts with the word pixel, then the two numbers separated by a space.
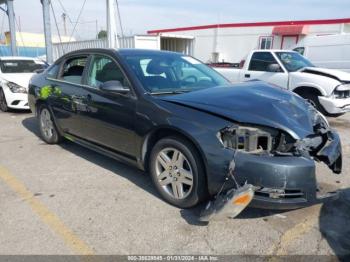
pixel 21 79
pixel 253 102
pixel 332 73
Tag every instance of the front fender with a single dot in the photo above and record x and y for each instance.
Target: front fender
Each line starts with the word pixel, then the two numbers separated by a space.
pixel 215 157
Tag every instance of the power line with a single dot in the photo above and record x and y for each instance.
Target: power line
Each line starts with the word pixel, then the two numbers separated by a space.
pixel 65 11
pixel 58 30
pixel 80 12
pixel 120 19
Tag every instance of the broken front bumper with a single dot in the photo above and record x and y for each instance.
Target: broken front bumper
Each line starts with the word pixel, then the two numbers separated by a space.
pixel 287 182
pixel 335 105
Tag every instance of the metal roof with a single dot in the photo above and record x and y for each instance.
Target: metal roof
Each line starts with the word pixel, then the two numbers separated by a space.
pixel 276 23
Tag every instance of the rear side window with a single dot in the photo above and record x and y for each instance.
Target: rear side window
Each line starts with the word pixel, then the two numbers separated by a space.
pixel 53 71
pixel 73 69
pixel 261 60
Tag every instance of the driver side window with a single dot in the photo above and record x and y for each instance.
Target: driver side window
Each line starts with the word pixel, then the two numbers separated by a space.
pixel 103 69
pixel 261 61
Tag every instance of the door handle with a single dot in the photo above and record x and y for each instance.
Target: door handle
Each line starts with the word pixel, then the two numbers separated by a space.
pixel 247 75
pixel 76 97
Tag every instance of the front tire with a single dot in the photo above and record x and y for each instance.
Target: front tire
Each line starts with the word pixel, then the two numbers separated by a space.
pixel 3 103
pixel 313 100
pixel 177 172
pixel 47 126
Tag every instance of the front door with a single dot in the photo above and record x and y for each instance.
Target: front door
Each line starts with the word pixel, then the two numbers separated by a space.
pixel 110 116
pixel 260 68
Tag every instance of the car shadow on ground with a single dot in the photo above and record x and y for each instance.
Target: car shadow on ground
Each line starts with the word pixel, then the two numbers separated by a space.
pixel 334 225
pixel 136 176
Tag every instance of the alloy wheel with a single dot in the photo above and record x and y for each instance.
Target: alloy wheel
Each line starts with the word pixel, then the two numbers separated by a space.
pixel 174 173
pixel 46 123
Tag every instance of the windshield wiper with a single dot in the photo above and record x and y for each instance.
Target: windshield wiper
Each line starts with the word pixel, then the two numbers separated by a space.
pixel 174 92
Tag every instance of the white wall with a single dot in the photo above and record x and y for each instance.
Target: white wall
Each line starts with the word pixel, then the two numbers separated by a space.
pixel 233 44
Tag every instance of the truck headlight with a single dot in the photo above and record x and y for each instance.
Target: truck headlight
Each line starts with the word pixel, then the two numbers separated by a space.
pixel 342 91
pixel 16 88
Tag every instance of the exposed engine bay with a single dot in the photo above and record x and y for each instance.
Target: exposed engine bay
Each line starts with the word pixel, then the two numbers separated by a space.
pixel 273 142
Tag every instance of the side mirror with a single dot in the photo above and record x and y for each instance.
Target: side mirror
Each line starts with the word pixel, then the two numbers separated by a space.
pixel 39 71
pixel 114 86
pixel 274 68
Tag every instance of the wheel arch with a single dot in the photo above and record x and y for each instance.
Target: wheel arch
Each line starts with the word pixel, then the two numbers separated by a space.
pixel 308 89
pixel 153 137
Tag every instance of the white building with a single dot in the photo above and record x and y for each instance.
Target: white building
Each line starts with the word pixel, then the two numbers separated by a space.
pixel 232 42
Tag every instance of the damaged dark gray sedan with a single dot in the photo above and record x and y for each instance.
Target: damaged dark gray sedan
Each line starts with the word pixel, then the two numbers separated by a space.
pixel 174 116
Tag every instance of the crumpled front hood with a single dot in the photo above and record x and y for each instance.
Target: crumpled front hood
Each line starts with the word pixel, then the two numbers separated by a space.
pixel 19 79
pixel 253 102
pixel 332 73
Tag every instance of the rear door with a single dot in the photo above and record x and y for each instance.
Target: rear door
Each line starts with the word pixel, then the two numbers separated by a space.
pixel 260 67
pixel 67 95
pixel 110 116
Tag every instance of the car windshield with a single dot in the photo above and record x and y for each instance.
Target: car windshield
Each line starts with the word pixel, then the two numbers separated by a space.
pixel 20 66
pixel 162 73
pixel 293 61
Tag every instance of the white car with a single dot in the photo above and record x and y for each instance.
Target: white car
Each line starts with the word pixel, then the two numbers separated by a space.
pixel 15 73
pixel 327 89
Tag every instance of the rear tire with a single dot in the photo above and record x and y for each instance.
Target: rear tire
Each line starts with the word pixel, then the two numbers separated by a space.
pixel 3 103
pixel 177 172
pixel 48 129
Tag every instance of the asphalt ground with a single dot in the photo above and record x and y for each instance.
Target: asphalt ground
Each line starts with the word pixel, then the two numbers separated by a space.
pixel 66 199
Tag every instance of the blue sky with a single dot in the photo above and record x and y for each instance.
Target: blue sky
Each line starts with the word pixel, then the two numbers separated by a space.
pixel 138 16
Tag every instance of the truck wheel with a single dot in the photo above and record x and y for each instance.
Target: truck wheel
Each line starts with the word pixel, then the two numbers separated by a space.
pixel 177 172
pixel 3 103
pixel 47 126
pixel 313 100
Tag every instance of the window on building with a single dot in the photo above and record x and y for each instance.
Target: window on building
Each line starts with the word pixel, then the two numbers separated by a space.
pixel 266 42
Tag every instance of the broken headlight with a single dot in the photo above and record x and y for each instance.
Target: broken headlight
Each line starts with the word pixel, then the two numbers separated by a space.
pixel 255 139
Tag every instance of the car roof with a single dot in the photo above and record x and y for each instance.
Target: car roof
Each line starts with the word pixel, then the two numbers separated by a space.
pixel 274 50
pixel 130 51
pixel 122 51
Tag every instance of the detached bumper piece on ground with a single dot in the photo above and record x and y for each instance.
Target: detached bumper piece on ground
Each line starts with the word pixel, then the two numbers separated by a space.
pixel 228 204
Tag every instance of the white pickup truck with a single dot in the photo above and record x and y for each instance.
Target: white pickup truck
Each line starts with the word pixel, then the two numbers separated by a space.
pixel 328 90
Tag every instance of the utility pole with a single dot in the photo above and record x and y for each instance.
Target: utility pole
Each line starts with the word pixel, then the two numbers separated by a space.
pixel 111 25
pixel 47 30
pixel 11 17
pixel 64 16
pixel 96 27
